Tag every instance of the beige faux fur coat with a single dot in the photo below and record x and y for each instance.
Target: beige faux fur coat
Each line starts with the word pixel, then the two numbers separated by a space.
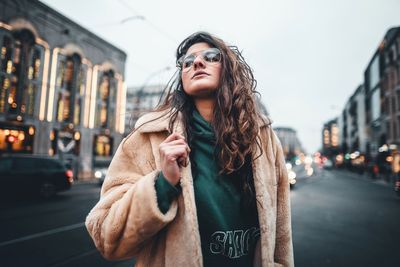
pixel 127 222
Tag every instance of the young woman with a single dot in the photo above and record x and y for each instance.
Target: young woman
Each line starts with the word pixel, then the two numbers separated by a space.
pixel 202 180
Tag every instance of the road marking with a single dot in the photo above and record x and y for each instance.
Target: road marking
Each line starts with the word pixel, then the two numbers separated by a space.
pixel 45 233
pixel 68 261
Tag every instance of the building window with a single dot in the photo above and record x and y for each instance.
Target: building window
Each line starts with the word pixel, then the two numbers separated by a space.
pixel 80 95
pixel 20 73
pixel 105 103
pixel 33 81
pixel 398 73
pixel 398 127
pixel 16 139
pixel 373 72
pixel 376 105
pixel 102 145
pixel 70 90
pixel 389 130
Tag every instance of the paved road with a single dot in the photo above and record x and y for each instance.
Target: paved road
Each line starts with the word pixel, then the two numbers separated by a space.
pixel 50 233
pixel 344 219
pixel 339 219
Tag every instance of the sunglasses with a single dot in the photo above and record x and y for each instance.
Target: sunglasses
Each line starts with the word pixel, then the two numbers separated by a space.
pixel 211 55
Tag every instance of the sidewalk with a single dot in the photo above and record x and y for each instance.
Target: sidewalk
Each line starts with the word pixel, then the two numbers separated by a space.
pixel 92 180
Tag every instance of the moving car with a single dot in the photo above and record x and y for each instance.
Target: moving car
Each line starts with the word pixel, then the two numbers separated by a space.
pixel 28 174
pixel 328 164
pixel 100 167
pixel 291 174
pixel 100 174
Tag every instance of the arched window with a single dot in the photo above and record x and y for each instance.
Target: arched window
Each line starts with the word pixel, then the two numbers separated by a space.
pixel 20 73
pixel 105 102
pixel 70 86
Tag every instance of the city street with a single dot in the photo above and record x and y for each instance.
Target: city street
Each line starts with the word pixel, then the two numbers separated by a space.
pixel 343 219
pixel 51 233
pixel 339 219
pixel 80 78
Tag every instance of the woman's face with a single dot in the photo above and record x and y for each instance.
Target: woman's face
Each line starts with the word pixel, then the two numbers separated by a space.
pixel 202 79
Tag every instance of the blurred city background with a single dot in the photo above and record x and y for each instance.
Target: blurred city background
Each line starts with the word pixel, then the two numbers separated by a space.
pixel 76 75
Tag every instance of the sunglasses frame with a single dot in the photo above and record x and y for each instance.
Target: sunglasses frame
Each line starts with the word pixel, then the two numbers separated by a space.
pixel 179 62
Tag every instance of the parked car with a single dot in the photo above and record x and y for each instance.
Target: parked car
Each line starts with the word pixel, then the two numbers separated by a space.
pixel 38 175
pixel 328 164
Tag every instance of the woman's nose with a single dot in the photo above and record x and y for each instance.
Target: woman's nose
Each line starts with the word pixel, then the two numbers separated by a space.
pixel 198 63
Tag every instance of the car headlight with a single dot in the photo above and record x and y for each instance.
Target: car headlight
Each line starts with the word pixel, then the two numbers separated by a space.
pixel 288 166
pixel 97 174
pixel 292 175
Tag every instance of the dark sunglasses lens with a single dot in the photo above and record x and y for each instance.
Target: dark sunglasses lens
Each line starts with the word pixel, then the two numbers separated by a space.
pixel 188 61
pixel 212 56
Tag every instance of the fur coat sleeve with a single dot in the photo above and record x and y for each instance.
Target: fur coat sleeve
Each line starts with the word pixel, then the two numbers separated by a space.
pixel 127 215
pixel 283 242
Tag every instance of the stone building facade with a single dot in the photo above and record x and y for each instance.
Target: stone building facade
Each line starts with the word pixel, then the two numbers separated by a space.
pixel 62 89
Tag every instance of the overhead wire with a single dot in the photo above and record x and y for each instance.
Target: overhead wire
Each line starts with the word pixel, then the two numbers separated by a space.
pixel 166 34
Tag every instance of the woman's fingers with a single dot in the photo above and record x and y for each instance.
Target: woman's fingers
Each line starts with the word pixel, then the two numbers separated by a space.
pixel 174 136
pixel 176 142
pixel 176 152
pixel 175 149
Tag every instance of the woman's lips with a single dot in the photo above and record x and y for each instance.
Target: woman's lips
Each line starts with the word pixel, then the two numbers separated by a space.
pixel 200 74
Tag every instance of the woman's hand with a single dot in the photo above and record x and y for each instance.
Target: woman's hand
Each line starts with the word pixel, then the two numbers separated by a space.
pixel 174 153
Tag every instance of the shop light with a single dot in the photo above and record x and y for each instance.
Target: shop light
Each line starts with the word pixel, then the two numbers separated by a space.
pixel 31 131
pixel 118 110
pixel 392 147
pixel 11 138
pixel 93 96
pixel 87 97
pixel 52 84
pixel 21 136
pixel 123 108
pixel 77 136
pixel 383 148
pixel 43 95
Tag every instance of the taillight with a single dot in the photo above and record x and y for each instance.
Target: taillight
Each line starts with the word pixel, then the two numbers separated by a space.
pixel 70 175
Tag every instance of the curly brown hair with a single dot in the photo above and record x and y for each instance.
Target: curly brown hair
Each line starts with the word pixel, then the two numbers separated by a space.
pixel 235 110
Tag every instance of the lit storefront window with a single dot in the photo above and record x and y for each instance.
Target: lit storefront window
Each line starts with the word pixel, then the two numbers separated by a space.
pixel 70 86
pixel 102 145
pixel 105 102
pixel 80 94
pixel 33 82
pixel 20 73
pixel 16 139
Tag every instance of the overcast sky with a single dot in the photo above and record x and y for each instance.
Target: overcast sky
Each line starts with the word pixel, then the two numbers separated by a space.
pixel 308 56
